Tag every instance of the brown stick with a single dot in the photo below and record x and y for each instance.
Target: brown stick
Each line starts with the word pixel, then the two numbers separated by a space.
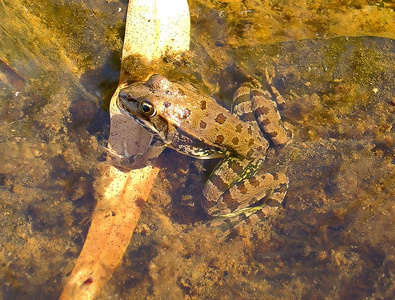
pixel 113 222
pixel 121 196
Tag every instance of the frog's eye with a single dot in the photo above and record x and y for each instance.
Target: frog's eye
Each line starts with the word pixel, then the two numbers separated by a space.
pixel 147 109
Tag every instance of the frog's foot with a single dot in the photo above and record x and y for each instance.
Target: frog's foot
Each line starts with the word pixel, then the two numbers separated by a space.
pixel 290 132
pixel 123 162
pixel 265 190
pixel 111 153
pixel 228 222
pixel 281 103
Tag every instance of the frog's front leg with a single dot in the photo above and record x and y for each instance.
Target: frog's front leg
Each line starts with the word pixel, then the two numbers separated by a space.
pixel 226 191
pixel 137 161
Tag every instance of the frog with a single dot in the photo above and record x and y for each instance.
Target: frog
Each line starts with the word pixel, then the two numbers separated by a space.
pixel 198 126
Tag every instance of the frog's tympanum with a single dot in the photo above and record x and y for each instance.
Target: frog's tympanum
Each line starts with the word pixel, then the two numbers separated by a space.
pixel 196 125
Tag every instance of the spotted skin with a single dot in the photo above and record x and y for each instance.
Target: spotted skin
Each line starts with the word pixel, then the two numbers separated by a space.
pixel 198 126
pixel 237 192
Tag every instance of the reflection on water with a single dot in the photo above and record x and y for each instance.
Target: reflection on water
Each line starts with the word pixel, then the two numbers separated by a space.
pixel 334 236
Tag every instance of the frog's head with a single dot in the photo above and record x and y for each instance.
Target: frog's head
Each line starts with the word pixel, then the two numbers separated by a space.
pixel 151 104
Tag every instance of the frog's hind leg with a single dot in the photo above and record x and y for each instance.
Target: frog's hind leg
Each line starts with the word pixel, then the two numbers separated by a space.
pixel 242 105
pixel 234 185
pixel 222 178
pixel 268 117
pixel 265 192
pixel 256 107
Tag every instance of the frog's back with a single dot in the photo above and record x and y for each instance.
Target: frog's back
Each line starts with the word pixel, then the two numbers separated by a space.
pixel 218 127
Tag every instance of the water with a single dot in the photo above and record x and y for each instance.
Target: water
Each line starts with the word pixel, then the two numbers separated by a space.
pixel 333 238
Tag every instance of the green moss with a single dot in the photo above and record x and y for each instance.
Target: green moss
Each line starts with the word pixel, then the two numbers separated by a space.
pixel 367 66
pixel 137 67
pixel 72 25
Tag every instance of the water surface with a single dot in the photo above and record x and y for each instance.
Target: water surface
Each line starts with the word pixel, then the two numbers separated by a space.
pixel 334 237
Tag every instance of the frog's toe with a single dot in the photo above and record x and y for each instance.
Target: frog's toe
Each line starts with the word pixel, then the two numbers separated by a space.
pixel 290 132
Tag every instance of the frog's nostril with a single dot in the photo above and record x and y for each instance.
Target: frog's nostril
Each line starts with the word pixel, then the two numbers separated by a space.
pixel 123 94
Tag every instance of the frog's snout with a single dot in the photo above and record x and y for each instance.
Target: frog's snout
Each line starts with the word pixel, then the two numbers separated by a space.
pixel 124 94
pixel 126 97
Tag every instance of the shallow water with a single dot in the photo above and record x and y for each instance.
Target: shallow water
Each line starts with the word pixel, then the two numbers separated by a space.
pixel 333 238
